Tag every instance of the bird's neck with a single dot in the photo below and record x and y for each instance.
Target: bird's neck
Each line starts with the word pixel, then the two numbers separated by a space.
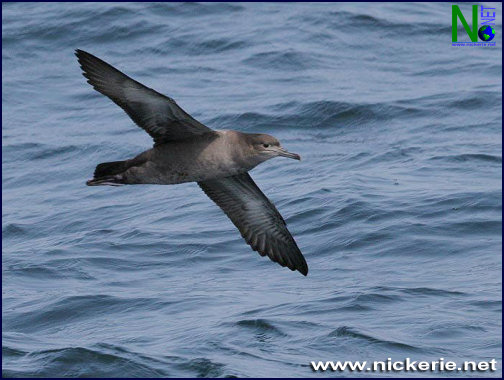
pixel 243 153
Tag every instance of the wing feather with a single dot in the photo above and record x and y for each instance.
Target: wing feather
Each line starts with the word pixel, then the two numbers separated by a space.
pixel 257 219
pixel 157 114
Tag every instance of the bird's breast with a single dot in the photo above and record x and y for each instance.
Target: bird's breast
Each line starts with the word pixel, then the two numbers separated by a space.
pixel 194 161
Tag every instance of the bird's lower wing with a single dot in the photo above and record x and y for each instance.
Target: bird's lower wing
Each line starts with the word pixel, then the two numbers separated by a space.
pixel 157 114
pixel 258 220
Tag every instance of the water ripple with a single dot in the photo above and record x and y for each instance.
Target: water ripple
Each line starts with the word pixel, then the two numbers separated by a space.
pixel 396 204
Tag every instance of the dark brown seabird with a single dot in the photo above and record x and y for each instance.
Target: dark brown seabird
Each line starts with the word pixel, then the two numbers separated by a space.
pixel 187 151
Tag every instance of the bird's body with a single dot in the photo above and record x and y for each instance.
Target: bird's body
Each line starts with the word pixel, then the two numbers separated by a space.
pixel 209 156
pixel 187 151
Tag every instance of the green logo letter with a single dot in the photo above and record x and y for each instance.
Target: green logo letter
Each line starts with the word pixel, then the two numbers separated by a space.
pixel 473 34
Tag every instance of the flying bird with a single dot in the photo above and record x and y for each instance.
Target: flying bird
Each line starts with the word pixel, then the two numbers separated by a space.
pixel 186 150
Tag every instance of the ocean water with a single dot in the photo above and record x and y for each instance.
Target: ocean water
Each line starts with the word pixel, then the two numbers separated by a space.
pixel 396 205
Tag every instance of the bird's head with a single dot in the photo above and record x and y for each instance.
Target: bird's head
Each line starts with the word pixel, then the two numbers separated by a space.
pixel 266 147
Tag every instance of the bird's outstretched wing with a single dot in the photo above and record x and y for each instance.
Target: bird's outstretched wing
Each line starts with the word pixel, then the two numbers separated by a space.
pixel 156 113
pixel 258 220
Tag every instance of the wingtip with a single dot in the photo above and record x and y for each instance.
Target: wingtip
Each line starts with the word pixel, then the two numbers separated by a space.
pixel 303 271
pixel 301 268
pixel 82 55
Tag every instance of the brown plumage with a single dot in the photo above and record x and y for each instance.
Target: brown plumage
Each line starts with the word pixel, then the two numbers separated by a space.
pixel 185 150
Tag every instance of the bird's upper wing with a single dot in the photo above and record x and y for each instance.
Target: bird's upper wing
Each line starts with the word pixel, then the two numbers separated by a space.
pixel 157 114
pixel 258 220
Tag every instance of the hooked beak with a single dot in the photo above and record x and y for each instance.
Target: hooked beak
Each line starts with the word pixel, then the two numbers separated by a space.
pixel 282 152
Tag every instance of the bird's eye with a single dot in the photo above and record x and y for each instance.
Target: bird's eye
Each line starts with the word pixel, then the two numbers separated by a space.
pixel 266 145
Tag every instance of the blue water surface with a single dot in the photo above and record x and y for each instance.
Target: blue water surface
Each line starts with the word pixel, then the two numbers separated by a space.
pixel 396 205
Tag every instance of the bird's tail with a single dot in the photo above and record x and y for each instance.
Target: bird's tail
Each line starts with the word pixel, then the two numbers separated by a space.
pixel 109 173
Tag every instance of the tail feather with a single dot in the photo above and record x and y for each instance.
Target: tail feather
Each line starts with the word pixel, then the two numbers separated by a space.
pixel 113 173
pixel 109 173
pixel 114 180
pixel 110 168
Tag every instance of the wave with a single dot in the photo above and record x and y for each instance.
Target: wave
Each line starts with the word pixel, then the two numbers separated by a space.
pixel 319 115
pixel 352 333
pixel 355 22
pixel 260 325
pixel 282 60
pixel 81 362
pixel 470 157
pixel 72 309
